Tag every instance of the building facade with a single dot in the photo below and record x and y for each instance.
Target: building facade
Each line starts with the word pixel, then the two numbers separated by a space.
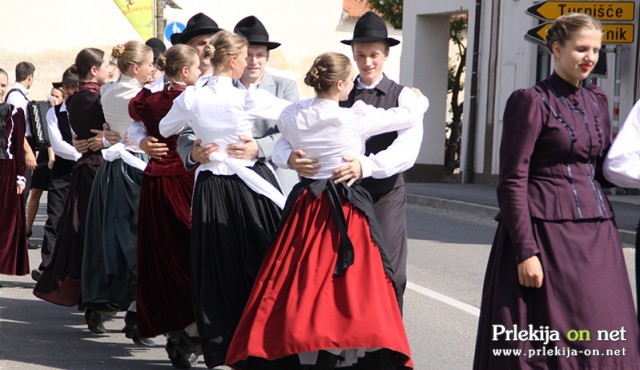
pixel 50 33
pixel 499 60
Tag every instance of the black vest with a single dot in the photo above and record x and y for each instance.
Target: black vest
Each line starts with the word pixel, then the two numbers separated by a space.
pixel 385 95
pixel 61 166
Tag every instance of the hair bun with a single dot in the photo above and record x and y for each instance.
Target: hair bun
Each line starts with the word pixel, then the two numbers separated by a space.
pixel 118 51
pixel 209 51
pixel 162 62
pixel 74 69
pixel 314 75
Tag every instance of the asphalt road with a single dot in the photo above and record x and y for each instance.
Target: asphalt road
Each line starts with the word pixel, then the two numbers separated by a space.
pixel 447 259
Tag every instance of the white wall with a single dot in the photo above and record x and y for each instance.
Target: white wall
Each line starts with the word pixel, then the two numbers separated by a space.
pixel 424 65
pixel 57 29
pixel 513 67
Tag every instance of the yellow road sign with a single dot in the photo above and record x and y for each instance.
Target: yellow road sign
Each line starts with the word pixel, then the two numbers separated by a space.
pixel 613 33
pixel 617 11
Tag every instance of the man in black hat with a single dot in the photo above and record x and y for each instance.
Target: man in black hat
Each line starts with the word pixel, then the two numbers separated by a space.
pixel 158 47
pixel 199 30
pixel 60 136
pixel 265 132
pixel 197 34
pixel 387 155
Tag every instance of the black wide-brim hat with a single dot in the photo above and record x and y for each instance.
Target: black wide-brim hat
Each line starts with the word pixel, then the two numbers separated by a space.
pixel 370 27
pixel 255 32
pixel 199 24
pixel 157 46
pixel 68 78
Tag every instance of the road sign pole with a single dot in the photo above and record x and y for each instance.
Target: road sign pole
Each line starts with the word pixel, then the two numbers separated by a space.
pixel 615 119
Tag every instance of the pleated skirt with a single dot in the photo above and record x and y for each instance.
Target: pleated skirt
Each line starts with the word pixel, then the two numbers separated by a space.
pixel 585 297
pixel 300 306
pixel 111 238
pixel 60 281
pixel 232 228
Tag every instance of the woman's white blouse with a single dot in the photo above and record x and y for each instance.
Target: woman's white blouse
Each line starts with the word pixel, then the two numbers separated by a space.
pixel 220 113
pixel 115 98
pixel 327 132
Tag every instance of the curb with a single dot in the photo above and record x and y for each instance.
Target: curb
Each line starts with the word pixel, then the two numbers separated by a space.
pixel 627 237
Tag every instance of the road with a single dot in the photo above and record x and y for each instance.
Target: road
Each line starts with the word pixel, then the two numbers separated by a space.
pixel 447 258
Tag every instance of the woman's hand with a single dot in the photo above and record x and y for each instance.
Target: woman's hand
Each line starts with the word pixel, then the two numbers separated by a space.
pixel 113 137
pixel 530 272
pixel 153 147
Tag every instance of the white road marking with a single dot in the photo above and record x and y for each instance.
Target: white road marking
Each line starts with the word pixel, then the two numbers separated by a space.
pixel 444 299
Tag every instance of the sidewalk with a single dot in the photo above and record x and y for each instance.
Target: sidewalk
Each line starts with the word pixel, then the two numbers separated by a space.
pixel 481 199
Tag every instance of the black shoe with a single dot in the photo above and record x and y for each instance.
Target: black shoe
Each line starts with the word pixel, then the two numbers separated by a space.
pixel 35 246
pixel 184 343
pixel 130 330
pixel 36 274
pixel 95 321
pixel 178 359
pixel 327 361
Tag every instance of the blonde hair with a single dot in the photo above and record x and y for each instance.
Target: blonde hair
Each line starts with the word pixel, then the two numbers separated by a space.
pixel 222 46
pixel 567 26
pixel 327 69
pixel 130 53
pixel 176 57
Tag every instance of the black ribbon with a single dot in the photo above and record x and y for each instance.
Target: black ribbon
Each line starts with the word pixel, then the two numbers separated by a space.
pixel 345 250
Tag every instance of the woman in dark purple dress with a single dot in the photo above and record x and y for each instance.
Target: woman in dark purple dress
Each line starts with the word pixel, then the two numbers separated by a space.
pixel 60 281
pixel 556 286
pixel 14 257
pixel 163 298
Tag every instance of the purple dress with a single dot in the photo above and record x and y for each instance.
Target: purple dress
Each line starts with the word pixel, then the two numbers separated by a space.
pixel 14 256
pixel 554 139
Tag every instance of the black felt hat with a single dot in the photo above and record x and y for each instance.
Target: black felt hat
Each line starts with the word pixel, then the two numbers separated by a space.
pixel 370 27
pixel 68 78
pixel 174 38
pixel 251 28
pixel 157 46
pixel 197 25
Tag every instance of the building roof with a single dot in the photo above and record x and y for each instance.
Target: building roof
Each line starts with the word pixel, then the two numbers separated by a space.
pixel 356 8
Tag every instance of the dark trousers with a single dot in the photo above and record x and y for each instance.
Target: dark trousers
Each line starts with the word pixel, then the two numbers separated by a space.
pixel 56 196
pixel 25 193
pixel 391 211
pixel 27 175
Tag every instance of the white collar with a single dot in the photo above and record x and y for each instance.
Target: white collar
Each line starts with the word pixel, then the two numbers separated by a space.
pixel 361 86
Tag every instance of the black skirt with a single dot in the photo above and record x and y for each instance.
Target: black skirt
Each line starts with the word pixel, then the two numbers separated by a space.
pixel 232 228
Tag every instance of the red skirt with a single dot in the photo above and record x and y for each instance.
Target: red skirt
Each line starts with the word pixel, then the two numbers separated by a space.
pixel 298 305
pixel 14 253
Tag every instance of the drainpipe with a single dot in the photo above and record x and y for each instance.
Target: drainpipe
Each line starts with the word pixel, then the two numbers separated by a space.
pixel 159 22
pixel 467 175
